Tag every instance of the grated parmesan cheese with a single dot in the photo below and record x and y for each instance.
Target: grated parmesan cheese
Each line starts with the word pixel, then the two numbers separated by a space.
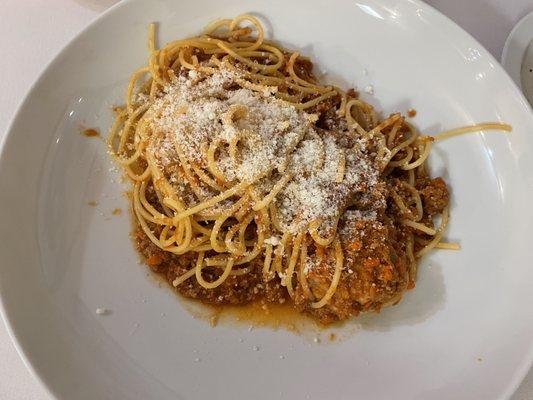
pixel 274 138
pixel 273 240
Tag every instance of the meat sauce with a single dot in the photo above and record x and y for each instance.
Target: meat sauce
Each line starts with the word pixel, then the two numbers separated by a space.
pixel 375 272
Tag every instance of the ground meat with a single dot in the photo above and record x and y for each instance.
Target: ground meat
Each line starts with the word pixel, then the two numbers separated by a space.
pixel 352 93
pixel 231 86
pixel 400 136
pixel 239 289
pixel 327 114
pixel 329 118
pixel 374 199
pixel 375 274
pixel 376 269
pixel 201 55
pixel 303 67
pixel 374 235
pixel 274 292
pixel 435 195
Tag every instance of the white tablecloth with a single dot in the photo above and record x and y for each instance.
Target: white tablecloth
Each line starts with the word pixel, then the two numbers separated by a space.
pixel 33 31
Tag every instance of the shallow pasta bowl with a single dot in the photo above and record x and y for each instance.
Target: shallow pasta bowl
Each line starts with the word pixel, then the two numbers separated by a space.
pixel 466 330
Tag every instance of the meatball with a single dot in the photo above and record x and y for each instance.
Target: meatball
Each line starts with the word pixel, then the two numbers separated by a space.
pixel 375 273
pixel 435 195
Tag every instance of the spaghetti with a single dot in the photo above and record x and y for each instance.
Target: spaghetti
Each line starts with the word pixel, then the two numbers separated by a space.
pixel 252 180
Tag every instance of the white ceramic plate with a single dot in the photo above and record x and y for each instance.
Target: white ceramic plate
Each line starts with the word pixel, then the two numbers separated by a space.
pixel 517 55
pixel 465 332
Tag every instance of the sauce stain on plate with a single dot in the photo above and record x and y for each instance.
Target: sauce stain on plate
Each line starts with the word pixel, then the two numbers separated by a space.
pixel 90 132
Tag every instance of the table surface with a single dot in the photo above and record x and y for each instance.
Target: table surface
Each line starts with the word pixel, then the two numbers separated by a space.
pixel 33 31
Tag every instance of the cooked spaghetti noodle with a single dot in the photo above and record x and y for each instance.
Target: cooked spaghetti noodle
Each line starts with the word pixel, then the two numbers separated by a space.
pixel 254 181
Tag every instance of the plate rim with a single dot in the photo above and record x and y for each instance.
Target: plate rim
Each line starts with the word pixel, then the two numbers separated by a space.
pixel 513 55
pixel 23 353
pixel 520 371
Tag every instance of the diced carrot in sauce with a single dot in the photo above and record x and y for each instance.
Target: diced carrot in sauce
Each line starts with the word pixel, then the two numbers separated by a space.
pixel 386 273
pixel 371 263
pixel 154 260
pixel 356 245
